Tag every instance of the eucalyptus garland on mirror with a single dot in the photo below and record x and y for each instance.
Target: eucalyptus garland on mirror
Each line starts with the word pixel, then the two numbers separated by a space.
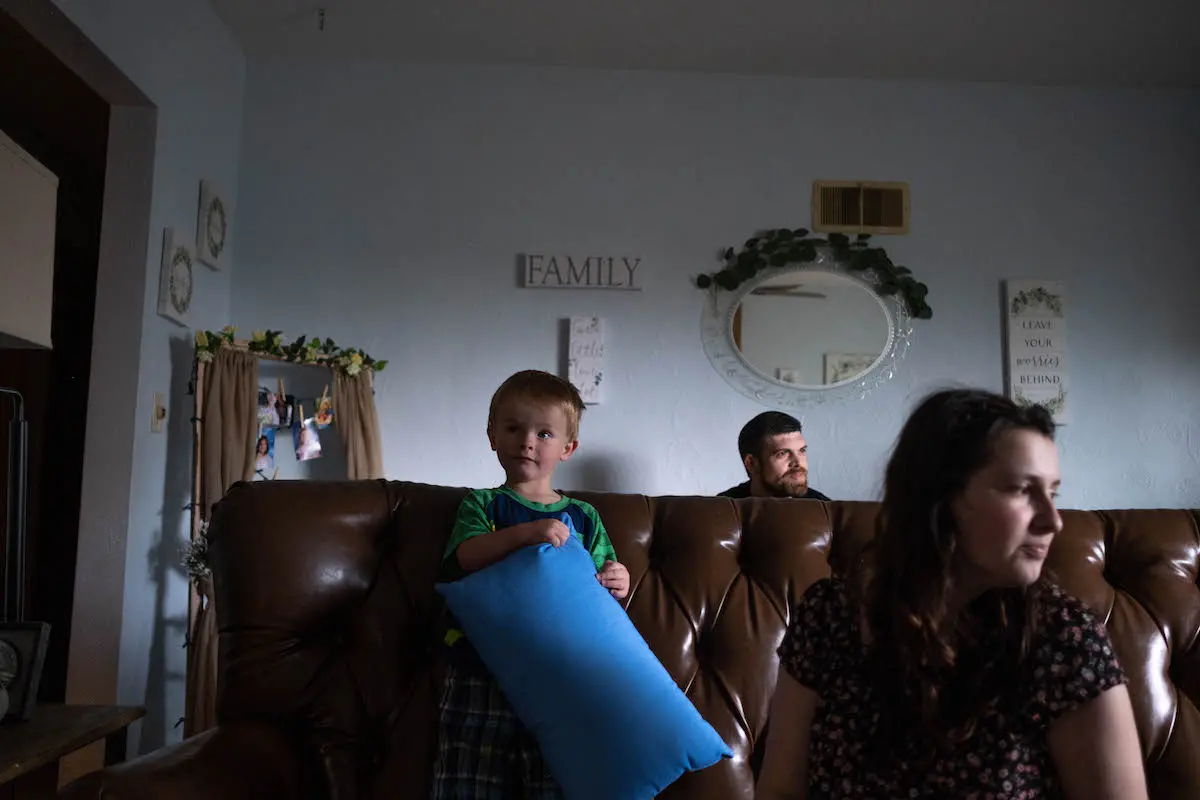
pixel 783 246
pixel 302 351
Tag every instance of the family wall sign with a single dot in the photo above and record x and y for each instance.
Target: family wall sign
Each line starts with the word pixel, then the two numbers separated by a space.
pixel 558 271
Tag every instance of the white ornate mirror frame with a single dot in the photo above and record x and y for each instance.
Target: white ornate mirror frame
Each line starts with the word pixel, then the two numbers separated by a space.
pixel 716 330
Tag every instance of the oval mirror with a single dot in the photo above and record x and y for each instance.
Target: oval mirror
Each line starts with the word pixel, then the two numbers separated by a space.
pixel 811 329
pixel 800 335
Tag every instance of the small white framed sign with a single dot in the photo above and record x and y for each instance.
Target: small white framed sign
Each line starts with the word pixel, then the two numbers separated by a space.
pixel 1036 323
pixel 175 280
pixel 212 227
pixel 585 357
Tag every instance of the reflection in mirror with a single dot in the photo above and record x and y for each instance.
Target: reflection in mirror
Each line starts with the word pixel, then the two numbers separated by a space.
pixel 811 328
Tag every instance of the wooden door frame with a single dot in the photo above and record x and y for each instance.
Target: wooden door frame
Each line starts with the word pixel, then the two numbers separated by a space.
pixel 96 621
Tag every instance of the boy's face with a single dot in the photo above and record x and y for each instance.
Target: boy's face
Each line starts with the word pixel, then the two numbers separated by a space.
pixel 530 439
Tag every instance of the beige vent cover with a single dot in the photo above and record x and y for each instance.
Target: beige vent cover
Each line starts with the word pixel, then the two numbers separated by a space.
pixel 860 207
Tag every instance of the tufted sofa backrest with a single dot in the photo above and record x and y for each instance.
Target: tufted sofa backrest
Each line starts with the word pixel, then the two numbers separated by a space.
pixel 328 616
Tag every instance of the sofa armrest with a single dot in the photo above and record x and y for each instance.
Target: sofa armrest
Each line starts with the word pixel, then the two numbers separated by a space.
pixel 243 760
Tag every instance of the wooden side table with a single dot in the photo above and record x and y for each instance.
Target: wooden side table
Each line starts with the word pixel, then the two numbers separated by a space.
pixel 29 751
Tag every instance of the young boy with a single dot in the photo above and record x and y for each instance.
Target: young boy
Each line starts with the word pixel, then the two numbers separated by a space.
pixel 484 752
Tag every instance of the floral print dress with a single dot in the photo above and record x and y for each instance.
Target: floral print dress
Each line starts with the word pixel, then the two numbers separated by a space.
pixel 1008 758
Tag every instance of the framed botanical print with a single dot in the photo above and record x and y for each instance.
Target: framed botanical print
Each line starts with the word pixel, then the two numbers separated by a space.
pixel 847 366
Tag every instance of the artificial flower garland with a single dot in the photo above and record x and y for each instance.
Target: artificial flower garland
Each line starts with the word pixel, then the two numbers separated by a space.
pixel 316 350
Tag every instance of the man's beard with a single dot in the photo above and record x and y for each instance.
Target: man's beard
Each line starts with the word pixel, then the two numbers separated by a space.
pixel 792 485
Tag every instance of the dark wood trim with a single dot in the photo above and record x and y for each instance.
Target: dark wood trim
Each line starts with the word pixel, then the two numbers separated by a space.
pixel 55 731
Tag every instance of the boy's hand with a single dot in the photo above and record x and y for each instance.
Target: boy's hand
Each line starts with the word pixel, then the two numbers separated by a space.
pixel 615 578
pixel 550 530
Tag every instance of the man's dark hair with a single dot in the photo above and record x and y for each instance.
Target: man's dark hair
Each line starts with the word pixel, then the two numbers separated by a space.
pixel 768 423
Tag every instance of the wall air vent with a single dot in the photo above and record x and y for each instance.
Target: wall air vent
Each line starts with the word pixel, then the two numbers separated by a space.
pixel 860 207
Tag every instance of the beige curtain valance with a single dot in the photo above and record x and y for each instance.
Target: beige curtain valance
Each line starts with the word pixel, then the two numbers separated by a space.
pixel 224 433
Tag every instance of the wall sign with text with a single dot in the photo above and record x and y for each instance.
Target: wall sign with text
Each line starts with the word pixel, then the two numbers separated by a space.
pixel 555 271
pixel 585 357
pixel 1037 345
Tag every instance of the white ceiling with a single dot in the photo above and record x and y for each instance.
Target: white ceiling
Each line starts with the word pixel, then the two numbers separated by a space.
pixel 1099 42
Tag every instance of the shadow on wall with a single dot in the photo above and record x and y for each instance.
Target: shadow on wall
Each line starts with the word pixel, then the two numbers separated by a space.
pixel 564 345
pixel 602 472
pixel 166 672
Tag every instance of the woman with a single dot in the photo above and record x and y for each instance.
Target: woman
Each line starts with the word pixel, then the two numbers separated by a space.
pixel 945 664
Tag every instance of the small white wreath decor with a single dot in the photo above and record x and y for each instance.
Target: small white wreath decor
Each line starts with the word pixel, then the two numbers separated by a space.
pixel 176 280
pixel 212 227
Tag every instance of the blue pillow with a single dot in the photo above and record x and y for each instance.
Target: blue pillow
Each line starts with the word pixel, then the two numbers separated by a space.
pixel 610 721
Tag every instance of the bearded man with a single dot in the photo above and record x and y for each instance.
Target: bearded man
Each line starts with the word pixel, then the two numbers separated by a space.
pixel 775 456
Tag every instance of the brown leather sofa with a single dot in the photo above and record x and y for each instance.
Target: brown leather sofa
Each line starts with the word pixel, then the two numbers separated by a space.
pixel 326 610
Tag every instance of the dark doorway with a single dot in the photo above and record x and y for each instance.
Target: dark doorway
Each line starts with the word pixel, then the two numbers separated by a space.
pixel 60 121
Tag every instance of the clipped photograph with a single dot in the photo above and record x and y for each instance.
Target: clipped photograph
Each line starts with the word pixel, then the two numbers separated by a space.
pixel 284 404
pixel 268 414
pixel 306 439
pixel 324 412
pixel 264 451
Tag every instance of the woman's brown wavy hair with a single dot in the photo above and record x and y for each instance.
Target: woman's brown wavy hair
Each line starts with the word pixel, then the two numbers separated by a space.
pixel 936 672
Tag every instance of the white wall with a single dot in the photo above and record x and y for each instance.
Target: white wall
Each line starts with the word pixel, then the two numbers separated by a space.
pixel 385 205
pixel 180 55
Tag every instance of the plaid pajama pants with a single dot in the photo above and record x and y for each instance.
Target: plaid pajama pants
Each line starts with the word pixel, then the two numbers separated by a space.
pixel 484 752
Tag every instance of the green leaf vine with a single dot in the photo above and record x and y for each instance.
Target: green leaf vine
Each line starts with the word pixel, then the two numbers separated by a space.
pixel 301 351
pixel 782 246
